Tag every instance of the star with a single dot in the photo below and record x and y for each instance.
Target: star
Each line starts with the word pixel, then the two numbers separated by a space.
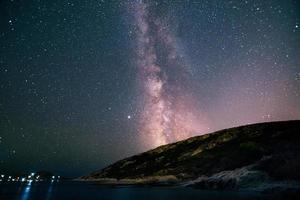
pixel 158 71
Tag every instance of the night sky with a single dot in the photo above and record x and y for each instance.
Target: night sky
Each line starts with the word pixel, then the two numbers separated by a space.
pixel 85 83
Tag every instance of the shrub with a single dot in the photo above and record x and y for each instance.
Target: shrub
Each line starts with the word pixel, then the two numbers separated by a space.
pixel 250 149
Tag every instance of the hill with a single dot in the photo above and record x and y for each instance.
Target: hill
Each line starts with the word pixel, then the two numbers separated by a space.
pixel 260 150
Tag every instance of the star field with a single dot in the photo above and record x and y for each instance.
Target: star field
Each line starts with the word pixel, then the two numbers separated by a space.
pixel 78 83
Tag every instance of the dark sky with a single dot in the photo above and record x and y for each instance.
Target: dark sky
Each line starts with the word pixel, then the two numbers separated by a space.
pixel 85 83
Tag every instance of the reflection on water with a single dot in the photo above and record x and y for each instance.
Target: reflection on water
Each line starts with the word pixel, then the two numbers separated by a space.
pixel 49 191
pixel 82 190
pixel 26 191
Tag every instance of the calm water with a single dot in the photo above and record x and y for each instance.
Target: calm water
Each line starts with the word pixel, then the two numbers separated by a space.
pixel 77 190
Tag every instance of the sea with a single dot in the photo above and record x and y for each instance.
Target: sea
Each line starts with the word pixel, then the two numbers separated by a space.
pixel 87 190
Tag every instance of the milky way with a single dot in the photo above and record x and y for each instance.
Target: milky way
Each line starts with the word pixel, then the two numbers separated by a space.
pixel 92 82
pixel 169 112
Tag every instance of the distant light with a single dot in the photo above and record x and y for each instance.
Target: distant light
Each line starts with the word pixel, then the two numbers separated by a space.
pixel 53 177
pixel 128 117
pixel 2 176
pixel 9 177
pixel 32 174
pixel 13 179
pixel 23 179
pixel 58 176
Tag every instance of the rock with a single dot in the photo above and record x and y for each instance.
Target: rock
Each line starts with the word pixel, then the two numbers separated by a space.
pixel 239 178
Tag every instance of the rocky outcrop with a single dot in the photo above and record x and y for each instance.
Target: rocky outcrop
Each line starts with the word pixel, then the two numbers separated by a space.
pixel 240 178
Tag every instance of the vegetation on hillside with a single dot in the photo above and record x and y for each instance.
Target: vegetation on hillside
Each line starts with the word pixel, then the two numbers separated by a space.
pixel 227 149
